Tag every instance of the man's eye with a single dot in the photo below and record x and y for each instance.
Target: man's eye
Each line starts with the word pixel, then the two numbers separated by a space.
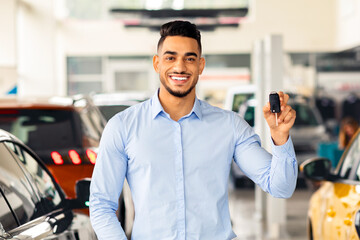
pixel 169 58
pixel 190 59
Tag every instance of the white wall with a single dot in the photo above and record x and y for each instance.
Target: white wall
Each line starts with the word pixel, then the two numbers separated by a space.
pixel 7 33
pixel 36 28
pixel 305 25
pixel 348 24
pixel 7 45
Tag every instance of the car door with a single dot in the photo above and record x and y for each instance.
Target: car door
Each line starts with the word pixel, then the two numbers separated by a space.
pixel 345 199
pixel 51 198
pixel 31 195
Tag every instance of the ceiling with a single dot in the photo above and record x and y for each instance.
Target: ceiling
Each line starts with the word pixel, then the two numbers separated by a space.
pixel 207 15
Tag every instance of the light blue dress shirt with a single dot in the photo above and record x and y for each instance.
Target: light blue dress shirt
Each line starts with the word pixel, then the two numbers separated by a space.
pixel 178 171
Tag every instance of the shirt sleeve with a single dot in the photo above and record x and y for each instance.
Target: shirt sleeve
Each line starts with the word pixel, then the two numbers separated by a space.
pixel 276 173
pixel 107 182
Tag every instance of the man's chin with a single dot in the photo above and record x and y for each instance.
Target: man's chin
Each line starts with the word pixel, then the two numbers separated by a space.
pixel 179 94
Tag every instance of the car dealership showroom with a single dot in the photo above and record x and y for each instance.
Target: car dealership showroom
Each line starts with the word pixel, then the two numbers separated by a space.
pixel 84 84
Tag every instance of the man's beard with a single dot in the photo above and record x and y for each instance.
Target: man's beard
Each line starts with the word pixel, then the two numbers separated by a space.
pixel 178 93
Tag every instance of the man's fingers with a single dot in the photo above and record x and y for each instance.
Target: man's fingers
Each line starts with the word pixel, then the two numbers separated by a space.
pixel 290 116
pixel 284 113
pixel 266 110
pixel 283 99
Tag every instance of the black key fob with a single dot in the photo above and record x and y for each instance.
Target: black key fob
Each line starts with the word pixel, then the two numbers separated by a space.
pixel 274 100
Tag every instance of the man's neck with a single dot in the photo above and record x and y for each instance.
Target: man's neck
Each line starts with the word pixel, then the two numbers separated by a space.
pixel 176 107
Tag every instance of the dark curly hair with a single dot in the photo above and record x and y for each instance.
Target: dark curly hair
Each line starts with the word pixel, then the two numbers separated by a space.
pixel 179 28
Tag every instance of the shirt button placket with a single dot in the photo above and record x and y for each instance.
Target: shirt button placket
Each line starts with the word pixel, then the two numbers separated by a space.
pixel 180 191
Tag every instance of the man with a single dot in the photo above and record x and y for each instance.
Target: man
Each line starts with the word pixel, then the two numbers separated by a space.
pixel 176 151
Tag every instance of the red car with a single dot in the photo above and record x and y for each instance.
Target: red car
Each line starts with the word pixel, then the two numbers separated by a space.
pixel 64 132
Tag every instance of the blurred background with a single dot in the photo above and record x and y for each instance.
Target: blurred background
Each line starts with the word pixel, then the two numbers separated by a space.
pixel 103 49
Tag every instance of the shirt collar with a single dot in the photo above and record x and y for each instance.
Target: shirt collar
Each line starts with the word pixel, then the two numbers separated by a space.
pixel 157 108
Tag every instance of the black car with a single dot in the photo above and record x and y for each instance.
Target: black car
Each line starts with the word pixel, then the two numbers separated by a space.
pixel 32 204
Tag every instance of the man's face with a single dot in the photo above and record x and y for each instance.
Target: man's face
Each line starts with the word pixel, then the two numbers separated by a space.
pixel 179 65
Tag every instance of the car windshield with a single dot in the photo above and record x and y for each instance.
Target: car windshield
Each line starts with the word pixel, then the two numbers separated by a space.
pixel 110 110
pixel 304 115
pixel 41 129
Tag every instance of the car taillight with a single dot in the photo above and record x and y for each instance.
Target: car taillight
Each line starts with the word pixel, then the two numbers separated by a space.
pixel 9 112
pixel 91 155
pixel 57 158
pixel 74 156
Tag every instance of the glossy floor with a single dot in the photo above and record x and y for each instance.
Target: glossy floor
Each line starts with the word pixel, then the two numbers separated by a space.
pixel 248 227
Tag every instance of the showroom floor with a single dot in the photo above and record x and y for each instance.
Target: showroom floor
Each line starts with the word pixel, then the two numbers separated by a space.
pixel 245 225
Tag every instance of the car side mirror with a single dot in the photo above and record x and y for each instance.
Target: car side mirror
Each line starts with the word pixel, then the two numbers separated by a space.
pixel 316 169
pixel 82 189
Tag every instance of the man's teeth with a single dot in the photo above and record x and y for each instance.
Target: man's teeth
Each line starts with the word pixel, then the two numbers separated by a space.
pixel 179 78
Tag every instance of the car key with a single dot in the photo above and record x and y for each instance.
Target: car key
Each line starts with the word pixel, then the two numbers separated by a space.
pixel 274 100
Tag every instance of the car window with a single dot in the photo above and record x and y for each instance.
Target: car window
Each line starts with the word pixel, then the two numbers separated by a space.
pixel 354 152
pixel 16 186
pixel 96 117
pixel 249 116
pixel 239 99
pixel 45 188
pixel 304 115
pixel 351 158
pixel 7 219
pixel 88 127
pixel 110 110
pixel 32 126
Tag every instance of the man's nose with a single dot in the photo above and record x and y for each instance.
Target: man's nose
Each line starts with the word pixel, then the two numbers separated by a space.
pixel 179 66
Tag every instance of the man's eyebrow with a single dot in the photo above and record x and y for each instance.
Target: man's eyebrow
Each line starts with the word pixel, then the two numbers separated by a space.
pixel 186 54
pixel 170 52
pixel 191 54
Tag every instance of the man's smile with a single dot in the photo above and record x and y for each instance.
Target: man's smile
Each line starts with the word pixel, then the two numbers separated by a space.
pixel 179 78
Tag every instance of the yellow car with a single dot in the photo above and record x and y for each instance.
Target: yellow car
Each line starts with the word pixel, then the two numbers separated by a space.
pixel 334 209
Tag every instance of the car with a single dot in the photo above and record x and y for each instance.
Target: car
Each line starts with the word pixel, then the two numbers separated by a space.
pixel 334 208
pixel 64 131
pixel 32 204
pixel 308 130
pixel 112 103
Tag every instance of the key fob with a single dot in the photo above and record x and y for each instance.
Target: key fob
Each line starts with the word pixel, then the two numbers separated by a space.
pixel 274 100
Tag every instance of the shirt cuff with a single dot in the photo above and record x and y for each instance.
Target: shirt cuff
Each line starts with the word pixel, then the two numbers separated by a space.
pixel 284 151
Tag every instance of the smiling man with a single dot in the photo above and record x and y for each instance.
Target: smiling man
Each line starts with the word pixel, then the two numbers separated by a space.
pixel 176 151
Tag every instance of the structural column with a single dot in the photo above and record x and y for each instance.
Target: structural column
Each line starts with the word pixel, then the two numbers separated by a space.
pixel 257 66
pixel 276 208
pixel 267 65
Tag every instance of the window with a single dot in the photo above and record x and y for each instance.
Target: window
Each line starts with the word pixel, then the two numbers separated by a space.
pixel 304 115
pixel 84 74
pixel 88 127
pixel 16 186
pixel 41 180
pixel 351 158
pixel 33 125
pixel 7 219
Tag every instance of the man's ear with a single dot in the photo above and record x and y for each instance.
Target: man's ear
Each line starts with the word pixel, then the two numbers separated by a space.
pixel 156 63
pixel 201 65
